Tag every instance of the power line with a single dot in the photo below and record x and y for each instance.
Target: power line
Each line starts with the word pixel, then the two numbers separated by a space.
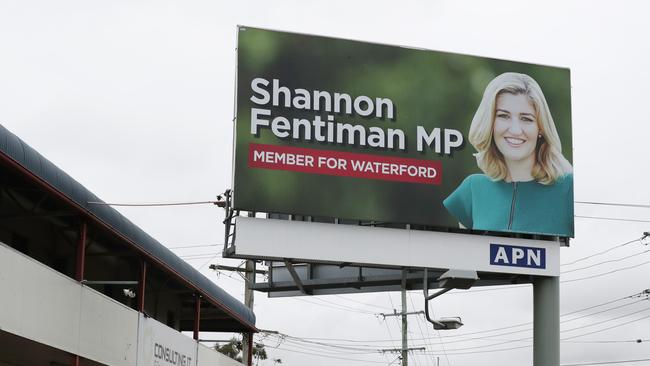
pixel 344 306
pixel 455 351
pixel 605 262
pixel 322 355
pixel 608 328
pixel 609 218
pixel 187 259
pixel 606 273
pixel 208 261
pixel 199 255
pixel 362 303
pixel 418 320
pixel 604 321
pixel 337 306
pixel 605 362
pixel 497 329
pixel 603 252
pixel 612 204
pixel 528 339
pixel 344 349
pixel 193 246
pixel 471 291
pixel 323 347
pixel 613 341
pixel 491 337
pixel 563 339
pixel 156 204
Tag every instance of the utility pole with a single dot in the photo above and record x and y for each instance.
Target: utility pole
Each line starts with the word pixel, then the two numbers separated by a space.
pixel 404 350
pixel 403 314
pixel 405 360
pixel 249 276
pixel 399 350
pixel 249 299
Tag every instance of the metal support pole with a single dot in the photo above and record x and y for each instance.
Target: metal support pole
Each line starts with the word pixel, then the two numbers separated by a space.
pixel 405 346
pixel 546 317
pixel 247 344
pixel 249 297
pixel 81 252
pixel 197 315
pixel 249 353
pixel 142 285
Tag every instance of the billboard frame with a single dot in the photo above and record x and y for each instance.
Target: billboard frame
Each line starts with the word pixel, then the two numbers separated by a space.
pixel 564 240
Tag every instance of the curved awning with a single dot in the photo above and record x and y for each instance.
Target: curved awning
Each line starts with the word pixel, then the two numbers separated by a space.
pixel 21 156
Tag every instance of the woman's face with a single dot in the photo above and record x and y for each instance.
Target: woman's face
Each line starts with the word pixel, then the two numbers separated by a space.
pixel 515 127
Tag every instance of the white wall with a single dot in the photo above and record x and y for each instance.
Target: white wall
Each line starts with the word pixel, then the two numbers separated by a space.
pixel 108 331
pixel 208 357
pixel 163 346
pixel 43 305
pixel 38 303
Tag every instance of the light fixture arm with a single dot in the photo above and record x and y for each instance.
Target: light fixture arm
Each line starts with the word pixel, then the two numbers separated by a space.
pixel 452 279
pixel 427 297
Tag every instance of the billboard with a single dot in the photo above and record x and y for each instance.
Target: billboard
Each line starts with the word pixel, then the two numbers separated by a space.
pixel 353 130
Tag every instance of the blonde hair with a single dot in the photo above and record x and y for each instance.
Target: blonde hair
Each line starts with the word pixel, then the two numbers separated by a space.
pixel 550 164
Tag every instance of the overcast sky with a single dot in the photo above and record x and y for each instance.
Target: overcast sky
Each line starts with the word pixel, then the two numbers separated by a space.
pixel 134 99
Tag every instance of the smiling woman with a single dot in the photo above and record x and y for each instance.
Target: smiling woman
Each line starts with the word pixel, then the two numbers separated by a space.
pixel 527 185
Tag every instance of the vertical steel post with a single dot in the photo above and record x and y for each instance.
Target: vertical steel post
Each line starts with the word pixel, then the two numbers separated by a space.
pixel 546 318
pixel 81 252
pixel 405 347
pixel 142 285
pixel 249 300
pixel 80 265
pixel 197 316
pixel 250 350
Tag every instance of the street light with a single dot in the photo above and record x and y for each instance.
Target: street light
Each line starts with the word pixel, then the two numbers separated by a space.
pixel 448 281
pixel 447 323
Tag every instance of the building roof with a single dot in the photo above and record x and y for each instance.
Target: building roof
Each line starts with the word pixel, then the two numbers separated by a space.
pixel 14 150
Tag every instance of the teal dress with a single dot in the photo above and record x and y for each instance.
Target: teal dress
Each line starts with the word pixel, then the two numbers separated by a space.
pixel 481 203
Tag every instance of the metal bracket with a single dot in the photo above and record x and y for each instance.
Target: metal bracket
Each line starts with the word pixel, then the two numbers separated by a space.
pixel 116 283
pixel 427 297
pixel 296 278
pixel 229 234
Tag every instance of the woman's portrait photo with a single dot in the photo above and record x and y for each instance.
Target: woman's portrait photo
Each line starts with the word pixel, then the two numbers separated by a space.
pixel 526 183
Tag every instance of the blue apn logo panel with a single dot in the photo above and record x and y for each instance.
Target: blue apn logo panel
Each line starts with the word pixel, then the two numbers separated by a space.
pixel 515 256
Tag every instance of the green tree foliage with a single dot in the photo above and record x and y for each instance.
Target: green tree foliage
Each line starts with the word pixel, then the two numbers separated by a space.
pixel 231 349
pixel 234 347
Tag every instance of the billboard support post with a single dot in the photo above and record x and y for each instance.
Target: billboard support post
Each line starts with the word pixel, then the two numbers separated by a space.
pixel 249 299
pixel 546 321
pixel 405 346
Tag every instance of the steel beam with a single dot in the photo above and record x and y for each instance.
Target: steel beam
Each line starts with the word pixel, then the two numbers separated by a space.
pixel 296 278
pixel 197 315
pixel 142 285
pixel 546 321
pixel 81 252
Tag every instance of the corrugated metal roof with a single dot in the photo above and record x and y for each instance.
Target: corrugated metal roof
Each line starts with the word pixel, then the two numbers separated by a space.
pixel 18 151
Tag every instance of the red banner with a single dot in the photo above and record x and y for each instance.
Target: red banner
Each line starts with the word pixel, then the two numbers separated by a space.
pixel 345 164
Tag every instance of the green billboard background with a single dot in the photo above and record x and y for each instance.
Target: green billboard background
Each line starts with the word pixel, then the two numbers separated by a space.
pixel 428 88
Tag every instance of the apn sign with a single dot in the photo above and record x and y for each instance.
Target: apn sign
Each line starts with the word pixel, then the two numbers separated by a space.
pixel 514 256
